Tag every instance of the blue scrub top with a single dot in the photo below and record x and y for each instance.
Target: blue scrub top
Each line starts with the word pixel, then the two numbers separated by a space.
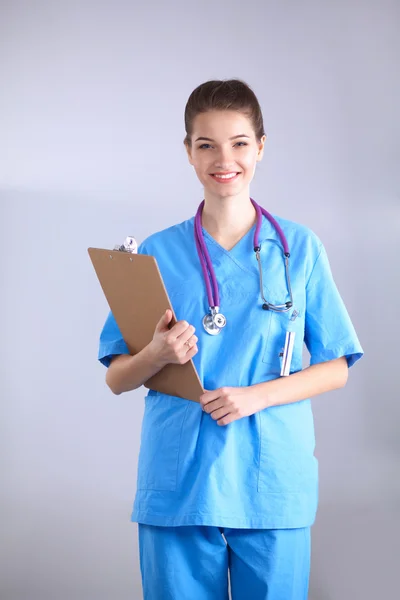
pixel 259 471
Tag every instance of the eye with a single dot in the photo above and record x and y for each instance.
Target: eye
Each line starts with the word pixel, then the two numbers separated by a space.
pixel 204 146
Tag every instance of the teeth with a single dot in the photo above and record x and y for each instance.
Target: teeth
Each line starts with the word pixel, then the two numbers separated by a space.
pixel 229 176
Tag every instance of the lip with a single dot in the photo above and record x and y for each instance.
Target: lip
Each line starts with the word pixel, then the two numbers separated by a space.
pixel 224 181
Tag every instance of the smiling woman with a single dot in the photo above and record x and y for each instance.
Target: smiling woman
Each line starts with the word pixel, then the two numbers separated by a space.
pixel 220 176
pixel 240 462
pixel 227 160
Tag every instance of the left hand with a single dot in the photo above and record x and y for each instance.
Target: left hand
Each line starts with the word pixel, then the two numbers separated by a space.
pixel 228 404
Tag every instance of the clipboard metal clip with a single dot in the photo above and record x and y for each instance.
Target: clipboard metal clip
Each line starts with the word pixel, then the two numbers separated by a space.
pixel 129 245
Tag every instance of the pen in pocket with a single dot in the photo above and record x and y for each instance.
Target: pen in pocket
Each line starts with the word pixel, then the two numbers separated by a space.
pixel 287 352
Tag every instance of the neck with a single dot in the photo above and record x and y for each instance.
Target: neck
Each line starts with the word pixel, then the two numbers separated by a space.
pixel 228 218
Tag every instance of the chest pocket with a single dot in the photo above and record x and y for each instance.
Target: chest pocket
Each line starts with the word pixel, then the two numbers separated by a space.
pixel 278 325
pixel 187 302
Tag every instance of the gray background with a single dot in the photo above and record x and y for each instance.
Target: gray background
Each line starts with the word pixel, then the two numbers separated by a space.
pixel 91 121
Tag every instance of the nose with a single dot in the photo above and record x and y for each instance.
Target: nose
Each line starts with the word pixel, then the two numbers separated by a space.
pixel 224 159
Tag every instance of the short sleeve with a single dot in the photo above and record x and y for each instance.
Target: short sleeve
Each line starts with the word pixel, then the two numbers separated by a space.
pixel 111 341
pixel 329 332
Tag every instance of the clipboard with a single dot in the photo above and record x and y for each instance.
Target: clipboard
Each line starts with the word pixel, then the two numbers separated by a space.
pixel 137 297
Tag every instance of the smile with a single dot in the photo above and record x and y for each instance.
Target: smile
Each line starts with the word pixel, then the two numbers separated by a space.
pixel 226 177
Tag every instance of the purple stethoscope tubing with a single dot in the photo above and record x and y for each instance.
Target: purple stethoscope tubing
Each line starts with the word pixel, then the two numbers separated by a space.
pixel 204 256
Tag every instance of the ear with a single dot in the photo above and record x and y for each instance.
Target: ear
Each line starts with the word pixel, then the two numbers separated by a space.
pixel 260 152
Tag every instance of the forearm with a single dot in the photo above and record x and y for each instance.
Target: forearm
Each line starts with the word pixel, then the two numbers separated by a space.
pixel 130 372
pixel 310 382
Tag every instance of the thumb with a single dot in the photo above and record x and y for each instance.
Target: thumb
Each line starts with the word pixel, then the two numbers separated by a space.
pixel 165 319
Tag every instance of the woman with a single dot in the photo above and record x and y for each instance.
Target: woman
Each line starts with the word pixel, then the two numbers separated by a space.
pixel 230 483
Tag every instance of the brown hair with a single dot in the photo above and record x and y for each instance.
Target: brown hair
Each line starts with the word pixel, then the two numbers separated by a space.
pixel 228 94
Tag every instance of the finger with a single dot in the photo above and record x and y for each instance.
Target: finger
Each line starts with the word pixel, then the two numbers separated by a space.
pixel 227 419
pixel 164 320
pixel 209 396
pixel 216 415
pixel 210 407
pixel 178 329
pixel 192 341
pixel 190 354
pixel 186 335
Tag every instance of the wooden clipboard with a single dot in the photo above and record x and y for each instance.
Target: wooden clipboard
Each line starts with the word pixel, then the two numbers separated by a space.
pixel 136 294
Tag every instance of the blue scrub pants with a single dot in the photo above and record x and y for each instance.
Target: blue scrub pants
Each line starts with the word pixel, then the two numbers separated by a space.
pixel 192 562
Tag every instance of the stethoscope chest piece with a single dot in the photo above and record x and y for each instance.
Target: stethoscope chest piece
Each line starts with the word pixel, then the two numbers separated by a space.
pixel 214 321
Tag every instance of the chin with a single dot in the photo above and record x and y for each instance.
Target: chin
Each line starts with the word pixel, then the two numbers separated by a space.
pixel 224 191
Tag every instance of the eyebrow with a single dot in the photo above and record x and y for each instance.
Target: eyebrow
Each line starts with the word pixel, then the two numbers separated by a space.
pixel 232 138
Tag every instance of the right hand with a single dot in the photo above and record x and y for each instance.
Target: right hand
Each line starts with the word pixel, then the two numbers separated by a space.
pixel 176 345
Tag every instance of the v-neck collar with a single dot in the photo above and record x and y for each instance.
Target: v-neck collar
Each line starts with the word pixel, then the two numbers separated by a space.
pixel 267 230
pixel 239 243
pixel 243 248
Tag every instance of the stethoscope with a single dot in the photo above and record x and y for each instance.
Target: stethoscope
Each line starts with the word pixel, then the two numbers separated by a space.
pixel 214 321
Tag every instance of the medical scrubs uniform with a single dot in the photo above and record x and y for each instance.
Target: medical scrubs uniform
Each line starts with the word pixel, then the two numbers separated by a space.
pixel 257 473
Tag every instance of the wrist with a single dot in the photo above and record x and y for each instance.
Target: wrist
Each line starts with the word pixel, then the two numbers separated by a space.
pixel 153 356
pixel 264 395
